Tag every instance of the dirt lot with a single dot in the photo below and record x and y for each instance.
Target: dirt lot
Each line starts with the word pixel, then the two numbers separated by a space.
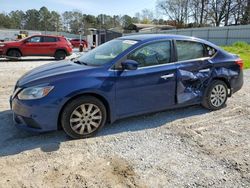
pixel 189 147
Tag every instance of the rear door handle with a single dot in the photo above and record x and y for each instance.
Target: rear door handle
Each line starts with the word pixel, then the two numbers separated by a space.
pixel 204 70
pixel 165 77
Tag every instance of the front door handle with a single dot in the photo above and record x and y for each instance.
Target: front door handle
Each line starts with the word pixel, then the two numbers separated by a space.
pixel 165 77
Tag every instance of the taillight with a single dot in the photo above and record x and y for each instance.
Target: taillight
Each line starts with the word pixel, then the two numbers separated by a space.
pixel 240 63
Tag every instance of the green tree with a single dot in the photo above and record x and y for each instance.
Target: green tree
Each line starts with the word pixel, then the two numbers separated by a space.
pixel 4 21
pixel 126 21
pixel 32 20
pixel 55 22
pixel 76 21
pixel 66 17
pixel 17 19
pixel 45 16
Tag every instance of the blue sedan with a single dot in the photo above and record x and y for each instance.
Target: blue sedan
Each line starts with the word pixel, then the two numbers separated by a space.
pixel 125 77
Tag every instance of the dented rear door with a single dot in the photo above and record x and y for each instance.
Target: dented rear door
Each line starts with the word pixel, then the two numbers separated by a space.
pixel 193 71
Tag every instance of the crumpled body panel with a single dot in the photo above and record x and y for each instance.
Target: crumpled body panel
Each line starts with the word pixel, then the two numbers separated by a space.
pixel 191 85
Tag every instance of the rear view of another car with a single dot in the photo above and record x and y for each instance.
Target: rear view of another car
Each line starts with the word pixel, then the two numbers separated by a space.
pixel 76 43
pixel 1 49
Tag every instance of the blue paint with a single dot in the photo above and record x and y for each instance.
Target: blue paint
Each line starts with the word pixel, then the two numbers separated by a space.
pixel 127 93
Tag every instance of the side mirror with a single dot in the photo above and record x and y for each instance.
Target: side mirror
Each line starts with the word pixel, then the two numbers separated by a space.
pixel 130 65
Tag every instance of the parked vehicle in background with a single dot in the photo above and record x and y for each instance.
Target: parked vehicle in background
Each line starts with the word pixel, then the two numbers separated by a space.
pixel 76 43
pixel 125 77
pixel 37 45
pixel 22 35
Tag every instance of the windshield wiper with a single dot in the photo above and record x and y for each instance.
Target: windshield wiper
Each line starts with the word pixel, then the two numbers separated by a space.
pixel 80 62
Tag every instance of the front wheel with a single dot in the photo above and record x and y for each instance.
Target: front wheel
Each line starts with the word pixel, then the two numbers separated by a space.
pixel 83 117
pixel 13 54
pixel 216 95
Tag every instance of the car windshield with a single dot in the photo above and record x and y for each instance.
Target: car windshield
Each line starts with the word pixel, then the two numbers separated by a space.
pixel 106 52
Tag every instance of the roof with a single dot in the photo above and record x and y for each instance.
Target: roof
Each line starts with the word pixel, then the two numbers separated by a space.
pixel 44 35
pixel 149 37
pixel 154 36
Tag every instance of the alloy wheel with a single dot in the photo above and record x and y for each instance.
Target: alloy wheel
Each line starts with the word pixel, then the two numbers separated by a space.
pixel 85 119
pixel 218 95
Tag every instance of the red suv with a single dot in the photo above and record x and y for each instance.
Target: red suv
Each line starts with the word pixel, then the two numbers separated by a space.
pixel 37 45
pixel 76 43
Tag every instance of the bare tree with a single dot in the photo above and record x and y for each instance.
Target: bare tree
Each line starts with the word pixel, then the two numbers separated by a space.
pixel 246 14
pixel 177 10
pixel 199 11
pixel 147 16
pixel 217 11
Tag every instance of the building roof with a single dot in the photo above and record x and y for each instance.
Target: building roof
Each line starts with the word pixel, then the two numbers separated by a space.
pixel 144 26
pixel 137 27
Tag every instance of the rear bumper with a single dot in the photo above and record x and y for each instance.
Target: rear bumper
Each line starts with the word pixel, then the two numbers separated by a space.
pixel 1 52
pixel 70 52
pixel 237 83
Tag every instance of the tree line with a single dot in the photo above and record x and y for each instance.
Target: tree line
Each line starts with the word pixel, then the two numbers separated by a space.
pixel 69 21
pixel 178 13
pixel 198 13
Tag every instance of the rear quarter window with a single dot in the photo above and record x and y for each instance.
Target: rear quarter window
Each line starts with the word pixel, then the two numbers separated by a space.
pixel 210 51
pixel 49 39
pixel 187 50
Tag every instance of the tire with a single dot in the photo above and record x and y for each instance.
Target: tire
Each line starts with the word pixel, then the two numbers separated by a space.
pixel 14 54
pixel 83 117
pixel 216 95
pixel 60 55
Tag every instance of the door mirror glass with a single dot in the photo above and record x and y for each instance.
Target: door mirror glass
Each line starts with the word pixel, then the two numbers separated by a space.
pixel 129 65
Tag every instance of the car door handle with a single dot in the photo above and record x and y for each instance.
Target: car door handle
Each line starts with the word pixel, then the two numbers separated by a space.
pixel 165 77
pixel 204 70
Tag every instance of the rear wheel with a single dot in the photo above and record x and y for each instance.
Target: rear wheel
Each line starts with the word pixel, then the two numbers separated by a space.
pixel 60 55
pixel 13 54
pixel 216 95
pixel 83 117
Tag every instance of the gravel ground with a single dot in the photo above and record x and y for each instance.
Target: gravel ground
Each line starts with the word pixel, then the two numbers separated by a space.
pixel 189 147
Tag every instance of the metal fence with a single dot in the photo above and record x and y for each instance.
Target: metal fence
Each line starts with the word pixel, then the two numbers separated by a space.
pixel 217 35
pixel 10 34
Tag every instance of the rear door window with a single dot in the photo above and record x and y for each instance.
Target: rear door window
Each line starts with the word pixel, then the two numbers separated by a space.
pixel 49 39
pixel 187 50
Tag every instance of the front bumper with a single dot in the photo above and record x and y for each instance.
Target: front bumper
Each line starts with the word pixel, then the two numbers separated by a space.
pixel 35 115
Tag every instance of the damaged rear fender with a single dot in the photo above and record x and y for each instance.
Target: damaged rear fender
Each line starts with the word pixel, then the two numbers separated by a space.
pixel 191 86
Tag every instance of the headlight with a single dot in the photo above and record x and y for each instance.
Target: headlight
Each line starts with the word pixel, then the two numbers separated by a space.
pixel 35 92
pixel 2 45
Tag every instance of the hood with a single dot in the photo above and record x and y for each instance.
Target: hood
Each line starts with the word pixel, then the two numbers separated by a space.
pixel 11 42
pixel 50 70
